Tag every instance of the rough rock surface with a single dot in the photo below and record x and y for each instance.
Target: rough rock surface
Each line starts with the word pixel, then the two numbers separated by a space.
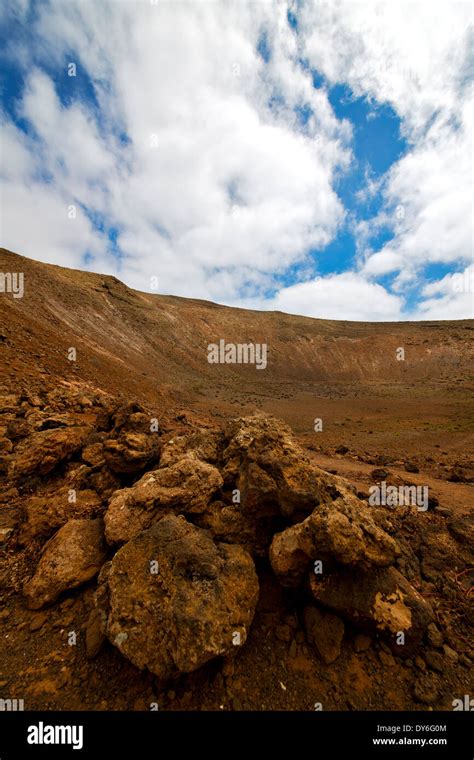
pixel 325 632
pixel 185 486
pixel 380 601
pixel 196 603
pixel 270 469
pixel 205 445
pixel 343 531
pixel 72 557
pixel 131 453
pixel 44 514
pixel 40 452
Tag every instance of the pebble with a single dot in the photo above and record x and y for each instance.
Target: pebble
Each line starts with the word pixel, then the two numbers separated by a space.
pixel 426 690
pixel 283 633
pixel 361 642
pixel 386 658
pixel 450 654
pixel 420 664
pixel 434 636
pixel 434 660
pixel 38 621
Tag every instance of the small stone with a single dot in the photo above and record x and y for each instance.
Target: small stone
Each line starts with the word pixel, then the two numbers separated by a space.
pixel 283 633
pixel 379 473
pixel 38 621
pixel 443 511
pixel 361 642
pixel 426 689
pixel 434 636
pixel 450 654
pixel 434 660
pixel 411 467
pixel 420 664
pixel 95 636
pixel 325 632
pixel 386 658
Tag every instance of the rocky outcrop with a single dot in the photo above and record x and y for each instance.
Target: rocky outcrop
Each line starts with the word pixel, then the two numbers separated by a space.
pixel 176 599
pixel 73 556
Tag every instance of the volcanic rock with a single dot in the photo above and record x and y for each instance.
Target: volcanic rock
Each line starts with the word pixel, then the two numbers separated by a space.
pixel 185 487
pixel 381 601
pixel 72 557
pixel 343 531
pixel 177 599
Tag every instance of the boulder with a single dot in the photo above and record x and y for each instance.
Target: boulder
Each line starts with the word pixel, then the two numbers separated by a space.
pixel 131 453
pixel 343 531
pixel 176 599
pixel 72 557
pixel 381 601
pixel 186 487
pixel 270 469
pixel 205 445
pixel 40 452
pixel 45 514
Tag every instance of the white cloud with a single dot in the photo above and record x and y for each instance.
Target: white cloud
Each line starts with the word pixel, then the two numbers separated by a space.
pixel 414 57
pixel 237 188
pixel 215 188
pixel 452 297
pixel 340 296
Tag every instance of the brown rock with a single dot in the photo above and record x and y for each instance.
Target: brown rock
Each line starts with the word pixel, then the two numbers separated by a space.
pixel 40 452
pixel 45 514
pixel 95 636
pixel 199 605
pixel 343 531
pixel 72 557
pixel 132 452
pixel 272 472
pixel 204 445
pixel 361 643
pixel 427 688
pixel 185 487
pixel 94 455
pixel 381 601
pixel 325 632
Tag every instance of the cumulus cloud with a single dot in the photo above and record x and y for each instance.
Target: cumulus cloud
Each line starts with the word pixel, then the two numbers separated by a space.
pixel 196 149
pixel 341 296
pixel 417 59
pixel 214 186
pixel 452 297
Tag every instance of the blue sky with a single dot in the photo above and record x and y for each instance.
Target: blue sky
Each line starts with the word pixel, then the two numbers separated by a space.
pixel 267 156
